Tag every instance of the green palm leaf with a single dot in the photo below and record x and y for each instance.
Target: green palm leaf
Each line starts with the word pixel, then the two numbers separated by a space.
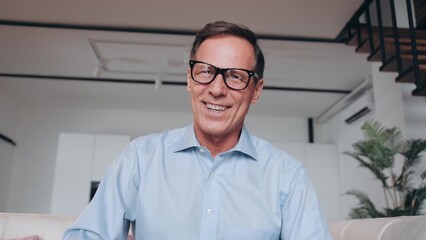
pixel 414 199
pixel 373 168
pixel 374 131
pixel 377 153
pixel 412 153
pixel 366 208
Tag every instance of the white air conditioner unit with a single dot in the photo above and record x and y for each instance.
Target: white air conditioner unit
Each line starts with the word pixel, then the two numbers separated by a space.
pixel 345 101
pixel 361 107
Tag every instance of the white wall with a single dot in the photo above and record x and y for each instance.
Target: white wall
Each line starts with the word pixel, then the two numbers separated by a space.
pixel 389 105
pixel 279 129
pixel 38 129
pixel 322 164
pixel 88 156
pixel 415 126
pixel 415 117
pixel 336 130
pixel 389 110
pixel 8 117
pixel 37 134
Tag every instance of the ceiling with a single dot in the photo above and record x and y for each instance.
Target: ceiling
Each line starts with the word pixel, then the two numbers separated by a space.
pixel 312 75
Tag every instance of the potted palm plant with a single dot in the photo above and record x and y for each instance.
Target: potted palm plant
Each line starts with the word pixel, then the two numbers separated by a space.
pixel 378 153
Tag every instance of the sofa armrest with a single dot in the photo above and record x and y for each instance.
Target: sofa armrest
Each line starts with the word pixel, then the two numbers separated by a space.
pixel 393 228
pixel 47 227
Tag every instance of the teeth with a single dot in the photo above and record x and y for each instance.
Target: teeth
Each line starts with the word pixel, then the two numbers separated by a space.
pixel 215 107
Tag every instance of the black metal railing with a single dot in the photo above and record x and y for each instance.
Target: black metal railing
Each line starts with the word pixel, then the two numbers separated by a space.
pixel 362 29
pixel 419 84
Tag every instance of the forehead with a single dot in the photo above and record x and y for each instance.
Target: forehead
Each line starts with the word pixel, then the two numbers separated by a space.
pixel 226 51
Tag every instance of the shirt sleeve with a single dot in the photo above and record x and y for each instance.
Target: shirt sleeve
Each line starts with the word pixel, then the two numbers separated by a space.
pixel 301 213
pixel 112 209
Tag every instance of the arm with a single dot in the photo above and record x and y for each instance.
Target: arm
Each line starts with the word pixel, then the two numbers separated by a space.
pixel 301 213
pixel 110 212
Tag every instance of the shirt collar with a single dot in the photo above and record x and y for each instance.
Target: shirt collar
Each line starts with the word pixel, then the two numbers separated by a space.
pixel 245 144
pixel 189 140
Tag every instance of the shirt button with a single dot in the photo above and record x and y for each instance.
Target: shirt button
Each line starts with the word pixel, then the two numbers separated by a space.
pixel 202 150
pixel 209 211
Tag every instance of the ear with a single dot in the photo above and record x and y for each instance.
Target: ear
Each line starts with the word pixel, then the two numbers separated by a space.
pixel 257 91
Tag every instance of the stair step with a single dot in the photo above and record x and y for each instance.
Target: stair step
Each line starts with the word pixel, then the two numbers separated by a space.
pixel 404 42
pixel 420 57
pixel 404 32
pixel 404 39
pixel 419 92
pixel 408 75
pixel 388 32
pixel 375 56
pixel 353 41
pixel 407 48
pixel 390 65
pixel 363 47
pixel 390 50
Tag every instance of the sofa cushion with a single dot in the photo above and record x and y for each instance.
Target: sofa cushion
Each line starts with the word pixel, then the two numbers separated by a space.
pixel 33 237
pixel 392 228
pixel 19 226
pixel 367 229
pixel 408 228
pixel 47 227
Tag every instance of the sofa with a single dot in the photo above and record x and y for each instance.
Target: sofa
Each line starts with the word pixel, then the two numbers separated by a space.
pixel 47 227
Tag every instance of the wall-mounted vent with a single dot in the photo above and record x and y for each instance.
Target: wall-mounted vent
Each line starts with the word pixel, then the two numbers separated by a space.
pixel 359 108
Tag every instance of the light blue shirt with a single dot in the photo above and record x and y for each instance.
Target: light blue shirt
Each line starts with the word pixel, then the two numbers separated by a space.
pixel 172 189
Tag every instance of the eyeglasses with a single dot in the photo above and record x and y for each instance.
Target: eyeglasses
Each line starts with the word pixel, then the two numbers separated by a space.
pixel 234 78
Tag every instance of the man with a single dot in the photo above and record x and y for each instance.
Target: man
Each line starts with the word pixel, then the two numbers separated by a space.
pixel 212 179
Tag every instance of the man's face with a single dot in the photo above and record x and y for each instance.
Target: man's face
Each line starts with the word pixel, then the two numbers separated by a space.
pixel 220 111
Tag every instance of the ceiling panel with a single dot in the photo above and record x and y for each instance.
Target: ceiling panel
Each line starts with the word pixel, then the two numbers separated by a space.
pixel 160 57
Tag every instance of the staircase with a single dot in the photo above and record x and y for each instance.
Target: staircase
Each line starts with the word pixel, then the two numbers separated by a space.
pixel 400 50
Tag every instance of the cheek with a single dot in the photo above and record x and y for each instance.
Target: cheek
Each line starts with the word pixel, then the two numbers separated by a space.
pixel 244 102
pixel 195 92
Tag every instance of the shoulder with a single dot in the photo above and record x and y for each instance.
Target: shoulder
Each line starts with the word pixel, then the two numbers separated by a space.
pixel 285 167
pixel 281 168
pixel 167 137
pixel 145 149
pixel 267 152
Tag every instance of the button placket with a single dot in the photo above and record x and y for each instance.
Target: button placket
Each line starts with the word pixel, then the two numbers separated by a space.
pixel 209 221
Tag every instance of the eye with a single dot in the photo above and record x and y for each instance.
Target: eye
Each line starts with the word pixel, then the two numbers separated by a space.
pixel 207 72
pixel 237 75
pixel 204 70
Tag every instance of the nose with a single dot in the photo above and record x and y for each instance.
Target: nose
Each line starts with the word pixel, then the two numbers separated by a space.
pixel 218 86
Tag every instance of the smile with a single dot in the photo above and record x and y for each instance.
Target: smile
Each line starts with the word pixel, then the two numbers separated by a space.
pixel 217 108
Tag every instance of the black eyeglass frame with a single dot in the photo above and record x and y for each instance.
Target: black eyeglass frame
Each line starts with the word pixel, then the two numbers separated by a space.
pixel 222 71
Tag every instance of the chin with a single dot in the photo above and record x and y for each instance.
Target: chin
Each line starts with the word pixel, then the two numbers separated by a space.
pixel 212 130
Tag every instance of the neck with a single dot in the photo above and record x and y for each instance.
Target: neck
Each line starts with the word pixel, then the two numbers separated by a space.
pixel 217 144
